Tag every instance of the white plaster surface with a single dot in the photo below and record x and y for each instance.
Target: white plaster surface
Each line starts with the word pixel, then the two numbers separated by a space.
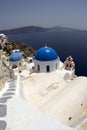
pixel 21 116
pixel 57 98
pixel 43 65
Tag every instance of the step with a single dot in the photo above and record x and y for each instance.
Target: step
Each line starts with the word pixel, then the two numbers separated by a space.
pixel 4 99
pixel 3 125
pixel 3 110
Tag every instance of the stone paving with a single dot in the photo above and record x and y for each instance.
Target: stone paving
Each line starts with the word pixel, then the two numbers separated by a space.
pixel 4 99
pixel 2 125
pixel 11 89
pixel 10 92
pixel 3 110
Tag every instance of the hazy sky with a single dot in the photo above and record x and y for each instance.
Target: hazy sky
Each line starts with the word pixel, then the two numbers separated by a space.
pixel 46 13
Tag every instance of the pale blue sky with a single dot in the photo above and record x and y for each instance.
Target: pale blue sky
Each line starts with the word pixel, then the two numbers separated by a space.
pixel 46 13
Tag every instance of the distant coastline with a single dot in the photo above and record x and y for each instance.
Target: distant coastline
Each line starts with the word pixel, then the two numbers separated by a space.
pixel 26 29
pixel 30 29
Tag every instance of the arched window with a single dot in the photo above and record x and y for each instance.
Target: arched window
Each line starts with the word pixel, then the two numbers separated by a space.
pixel 47 68
pixel 38 67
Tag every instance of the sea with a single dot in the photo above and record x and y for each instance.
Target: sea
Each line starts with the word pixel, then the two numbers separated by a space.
pixel 65 42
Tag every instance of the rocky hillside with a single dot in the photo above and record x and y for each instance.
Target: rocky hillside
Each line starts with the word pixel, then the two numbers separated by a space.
pixel 24 48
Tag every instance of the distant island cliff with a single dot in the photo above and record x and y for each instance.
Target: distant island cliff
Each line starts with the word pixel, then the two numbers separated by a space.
pixel 26 29
pixel 30 29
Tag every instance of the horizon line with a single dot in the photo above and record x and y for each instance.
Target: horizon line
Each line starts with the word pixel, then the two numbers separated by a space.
pixel 43 27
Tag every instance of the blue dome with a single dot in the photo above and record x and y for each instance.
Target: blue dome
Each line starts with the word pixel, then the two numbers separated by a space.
pixel 46 54
pixel 15 57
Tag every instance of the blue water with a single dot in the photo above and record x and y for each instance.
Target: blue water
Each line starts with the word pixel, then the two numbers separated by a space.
pixel 66 43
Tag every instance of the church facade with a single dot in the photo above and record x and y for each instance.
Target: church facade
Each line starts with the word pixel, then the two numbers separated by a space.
pixel 46 60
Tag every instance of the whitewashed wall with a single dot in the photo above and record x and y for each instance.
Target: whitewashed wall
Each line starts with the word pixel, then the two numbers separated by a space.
pixel 43 65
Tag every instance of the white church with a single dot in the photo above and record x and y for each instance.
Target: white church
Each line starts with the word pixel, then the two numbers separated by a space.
pixel 46 60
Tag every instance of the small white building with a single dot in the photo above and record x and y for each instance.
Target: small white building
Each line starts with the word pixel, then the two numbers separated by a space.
pixel 46 60
pixel 3 39
pixel 1 36
pixel 15 59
